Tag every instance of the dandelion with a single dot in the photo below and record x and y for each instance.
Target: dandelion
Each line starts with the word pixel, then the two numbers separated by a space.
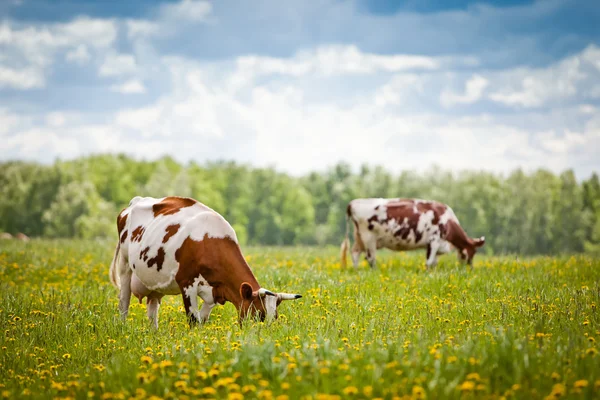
pixel 558 390
pixel 474 376
pixel 209 390
pixel 467 386
pixel 285 386
pixel 555 376
pixel 418 392
pixel 248 388
pixel 580 383
pixel 350 390
pixel 235 396
pixel 66 356
pixel 282 397
pixel 180 384
pixel 146 359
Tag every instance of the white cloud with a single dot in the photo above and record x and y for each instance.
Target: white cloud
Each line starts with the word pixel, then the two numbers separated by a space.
pixel 535 87
pixel 28 78
pixel 133 86
pixel 474 88
pixel 187 10
pixel 79 55
pixel 30 50
pixel 117 65
pixel 139 27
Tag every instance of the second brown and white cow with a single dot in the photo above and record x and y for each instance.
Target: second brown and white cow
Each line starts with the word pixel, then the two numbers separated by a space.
pixel 406 224
pixel 177 245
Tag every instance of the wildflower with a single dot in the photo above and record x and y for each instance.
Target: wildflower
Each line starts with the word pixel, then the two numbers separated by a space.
pixel 263 383
pixel 452 359
pixel 180 384
pixel 248 388
pixel 474 376
pixel 467 386
pixel 209 390
pixel 580 383
pixel 418 392
pixel 368 391
pixel 591 351
pixel 282 397
pixel 558 390
pixel 555 376
pixel 285 386
pixel 146 359
pixel 201 375
pixel 66 356
pixel 324 371
pixel 350 390
pixel 235 396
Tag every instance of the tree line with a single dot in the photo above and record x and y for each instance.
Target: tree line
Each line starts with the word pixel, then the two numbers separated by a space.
pixel 525 213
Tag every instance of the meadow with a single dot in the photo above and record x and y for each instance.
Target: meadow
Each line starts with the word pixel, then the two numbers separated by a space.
pixel 509 328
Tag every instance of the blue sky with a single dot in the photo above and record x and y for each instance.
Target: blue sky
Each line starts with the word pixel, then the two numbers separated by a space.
pixel 301 85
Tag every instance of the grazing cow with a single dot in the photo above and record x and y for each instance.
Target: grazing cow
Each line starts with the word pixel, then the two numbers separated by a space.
pixel 22 237
pixel 177 245
pixel 406 224
pixel 5 236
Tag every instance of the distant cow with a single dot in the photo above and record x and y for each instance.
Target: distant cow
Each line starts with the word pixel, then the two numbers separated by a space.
pixel 177 245
pixel 22 237
pixel 406 224
pixel 5 236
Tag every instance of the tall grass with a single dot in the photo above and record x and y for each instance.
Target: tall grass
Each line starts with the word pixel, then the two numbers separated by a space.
pixel 508 328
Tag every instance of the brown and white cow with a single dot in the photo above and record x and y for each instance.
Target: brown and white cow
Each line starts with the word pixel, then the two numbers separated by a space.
pixel 177 245
pixel 406 224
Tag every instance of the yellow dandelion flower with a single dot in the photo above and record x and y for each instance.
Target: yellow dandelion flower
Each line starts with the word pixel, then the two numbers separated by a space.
pixel 558 390
pixel 474 376
pixel 263 383
pixel 581 383
pixel 66 356
pixel 146 360
pixel 591 351
pixel 368 391
pixel 180 384
pixel 555 376
pixel 418 392
pixel 467 386
pixel 201 375
pixel 324 371
pixel 350 390
pixel 285 386
pixel 282 397
pixel 235 396
pixel 248 388
pixel 209 390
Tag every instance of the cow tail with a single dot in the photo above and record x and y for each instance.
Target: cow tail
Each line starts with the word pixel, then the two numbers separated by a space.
pixel 346 242
pixel 114 277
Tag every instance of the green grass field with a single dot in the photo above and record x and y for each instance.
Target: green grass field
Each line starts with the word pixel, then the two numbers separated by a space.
pixel 514 329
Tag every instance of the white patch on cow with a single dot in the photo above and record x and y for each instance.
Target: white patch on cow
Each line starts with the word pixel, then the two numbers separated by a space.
pixel 212 225
pixel 448 215
pixel 195 221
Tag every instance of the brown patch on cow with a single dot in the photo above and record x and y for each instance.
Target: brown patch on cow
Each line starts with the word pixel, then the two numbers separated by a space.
pixel 172 205
pixel 404 209
pixel 221 263
pixel 121 220
pixel 136 235
pixel 158 260
pixel 171 230
pixel 123 237
pixel 144 254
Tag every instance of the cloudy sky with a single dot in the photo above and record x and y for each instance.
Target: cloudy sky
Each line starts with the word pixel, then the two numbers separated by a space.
pixel 301 85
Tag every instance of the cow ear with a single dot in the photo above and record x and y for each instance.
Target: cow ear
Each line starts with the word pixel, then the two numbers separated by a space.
pixel 246 291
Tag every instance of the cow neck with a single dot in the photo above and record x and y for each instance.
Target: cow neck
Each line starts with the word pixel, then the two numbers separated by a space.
pixel 237 271
pixel 457 236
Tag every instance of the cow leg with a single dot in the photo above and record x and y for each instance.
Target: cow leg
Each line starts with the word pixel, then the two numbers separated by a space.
pixel 371 252
pixel 205 311
pixel 125 292
pixel 152 307
pixel 432 251
pixel 190 302
pixel 355 254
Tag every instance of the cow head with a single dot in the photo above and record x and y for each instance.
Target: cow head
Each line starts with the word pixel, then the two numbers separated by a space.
pixel 467 253
pixel 261 303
